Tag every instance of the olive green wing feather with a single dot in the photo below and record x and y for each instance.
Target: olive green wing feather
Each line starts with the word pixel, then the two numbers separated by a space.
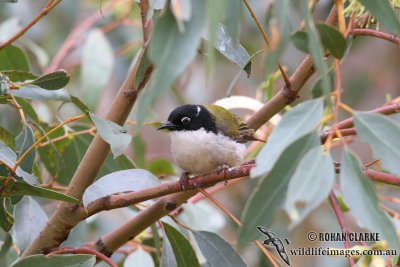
pixel 231 125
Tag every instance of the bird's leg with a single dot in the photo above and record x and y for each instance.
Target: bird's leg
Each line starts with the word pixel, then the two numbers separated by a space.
pixel 183 180
pixel 223 168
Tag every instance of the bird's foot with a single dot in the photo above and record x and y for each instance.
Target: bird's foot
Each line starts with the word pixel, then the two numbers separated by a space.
pixel 183 180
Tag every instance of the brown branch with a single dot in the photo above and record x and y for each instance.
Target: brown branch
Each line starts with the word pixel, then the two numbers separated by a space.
pixel 343 226
pixel 382 177
pixel 200 181
pixel 378 34
pixel 68 250
pixel 67 215
pixel 49 6
pixel 338 133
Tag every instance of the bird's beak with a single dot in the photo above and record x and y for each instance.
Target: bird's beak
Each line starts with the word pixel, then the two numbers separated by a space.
pixel 167 125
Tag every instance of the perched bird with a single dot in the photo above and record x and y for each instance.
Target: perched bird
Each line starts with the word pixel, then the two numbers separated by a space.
pixel 206 137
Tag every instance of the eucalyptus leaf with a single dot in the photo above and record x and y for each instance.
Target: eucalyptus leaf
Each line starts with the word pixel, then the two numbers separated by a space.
pixel 299 121
pixel 315 48
pixel 171 51
pixel 13 58
pixel 182 250
pixel 300 41
pixel 22 188
pixel 30 91
pixel 118 182
pixel 359 195
pixel 19 76
pixel 52 81
pixel 139 258
pixel 97 66
pixel 332 40
pixel 385 14
pixel 23 142
pixel 28 110
pixel 6 217
pixel 76 236
pixel 310 184
pixel 112 133
pixel 76 260
pixel 216 250
pixel 270 193
pixel 30 219
pixel 382 134
pixel 79 104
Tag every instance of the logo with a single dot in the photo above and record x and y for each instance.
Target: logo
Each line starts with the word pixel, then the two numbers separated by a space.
pixel 273 240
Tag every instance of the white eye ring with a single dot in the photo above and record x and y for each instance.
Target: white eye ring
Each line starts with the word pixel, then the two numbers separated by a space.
pixel 185 120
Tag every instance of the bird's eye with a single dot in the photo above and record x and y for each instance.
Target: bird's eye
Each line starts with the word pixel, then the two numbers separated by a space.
pixel 185 120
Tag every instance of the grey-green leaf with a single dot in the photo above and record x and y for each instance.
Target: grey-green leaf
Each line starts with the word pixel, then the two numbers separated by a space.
pixel 171 51
pixel 299 121
pixel 300 40
pixel 6 218
pixel 270 192
pixel 182 250
pixel 332 40
pixel 52 81
pixel 216 250
pixel 112 133
pixel 315 48
pixel 78 260
pixel 382 133
pixel 30 219
pixel 22 143
pixel 139 258
pixel 117 182
pixel 359 195
pixel 310 184
pixel 19 76
pixel 97 66
pixel 384 12
pixel 31 91
pixel 13 58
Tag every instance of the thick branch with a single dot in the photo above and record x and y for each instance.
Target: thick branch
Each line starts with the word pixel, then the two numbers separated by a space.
pixel 66 215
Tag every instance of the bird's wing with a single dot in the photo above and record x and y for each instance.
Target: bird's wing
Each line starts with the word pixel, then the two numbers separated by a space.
pixel 231 125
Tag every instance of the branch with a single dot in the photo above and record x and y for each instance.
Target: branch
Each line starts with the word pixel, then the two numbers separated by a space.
pixel 200 181
pixel 378 34
pixel 68 250
pixel 67 215
pixel 382 177
pixel 49 6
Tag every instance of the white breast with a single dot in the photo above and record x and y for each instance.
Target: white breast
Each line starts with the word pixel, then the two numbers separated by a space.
pixel 201 152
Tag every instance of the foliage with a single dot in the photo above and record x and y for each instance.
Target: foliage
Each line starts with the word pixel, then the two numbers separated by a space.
pixel 62 116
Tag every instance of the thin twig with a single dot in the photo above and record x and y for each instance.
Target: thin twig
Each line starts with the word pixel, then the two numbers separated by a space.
pixel 378 34
pixel 68 135
pixel 49 6
pixel 68 250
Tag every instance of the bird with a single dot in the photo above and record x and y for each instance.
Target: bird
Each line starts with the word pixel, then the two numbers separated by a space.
pixel 206 138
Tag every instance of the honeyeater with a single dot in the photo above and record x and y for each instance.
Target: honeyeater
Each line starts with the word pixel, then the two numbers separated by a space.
pixel 206 137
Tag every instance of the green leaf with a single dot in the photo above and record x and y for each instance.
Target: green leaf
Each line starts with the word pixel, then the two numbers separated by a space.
pixel 231 21
pixel 76 236
pixel 270 192
pixel 13 58
pixel 139 258
pixel 182 11
pixel 216 250
pixel 35 92
pixel 76 260
pixel 382 133
pixel 317 89
pixel 28 109
pixel 359 195
pixel 52 81
pixel 21 188
pixel 125 163
pixel 7 137
pixel 22 143
pixel 310 185
pixel 6 218
pixel 97 66
pixel 300 41
pixel 118 182
pixel 161 167
pixel 113 134
pixel 332 40
pixel 182 250
pixel 79 104
pixel 139 150
pixel 385 14
pixel 19 76
pixel 315 48
pixel 30 219
pixel 281 17
pixel 7 244
pixel 232 49
pixel 299 121
pixel 171 51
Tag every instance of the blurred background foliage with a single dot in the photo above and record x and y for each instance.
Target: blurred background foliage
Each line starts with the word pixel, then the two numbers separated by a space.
pixel 105 35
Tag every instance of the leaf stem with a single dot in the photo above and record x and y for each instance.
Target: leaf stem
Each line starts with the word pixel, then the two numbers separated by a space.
pixel 49 6
pixel 20 159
